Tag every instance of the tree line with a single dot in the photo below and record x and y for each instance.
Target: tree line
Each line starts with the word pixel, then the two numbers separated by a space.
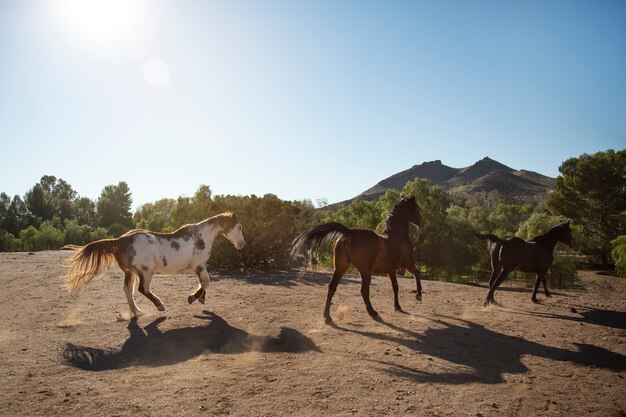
pixel 590 191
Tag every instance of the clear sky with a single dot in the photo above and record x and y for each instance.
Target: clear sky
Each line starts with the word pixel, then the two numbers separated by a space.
pixel 302 99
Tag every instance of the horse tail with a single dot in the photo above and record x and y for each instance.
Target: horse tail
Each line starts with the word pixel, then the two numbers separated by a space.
pixel 91 260
pixel 490 237
pixel 308 242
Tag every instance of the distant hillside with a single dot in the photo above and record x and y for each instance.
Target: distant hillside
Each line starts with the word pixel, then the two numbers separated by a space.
pixel 482 178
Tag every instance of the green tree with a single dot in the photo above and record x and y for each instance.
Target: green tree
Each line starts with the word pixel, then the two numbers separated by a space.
pixel 154 216
pixel 28 238
pixel 40 204
pixel 591 191
pixel 84 210
pixel 619 255
pixel 49 236
pixel 506 218
pixel 76 233
pixel 113 206
pixel 16 216
pixel 8 242
pixel 359 213
pixel 445 244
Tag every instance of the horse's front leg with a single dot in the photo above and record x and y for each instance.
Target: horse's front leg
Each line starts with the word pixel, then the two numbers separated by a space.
pixel 418 284
pixel 203 279
pixel 394 285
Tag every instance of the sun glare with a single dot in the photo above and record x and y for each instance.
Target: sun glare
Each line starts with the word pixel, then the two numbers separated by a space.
pixel 107 27
pixel 156 73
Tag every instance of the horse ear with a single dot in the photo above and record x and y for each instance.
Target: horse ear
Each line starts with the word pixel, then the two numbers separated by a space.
pixel 412 198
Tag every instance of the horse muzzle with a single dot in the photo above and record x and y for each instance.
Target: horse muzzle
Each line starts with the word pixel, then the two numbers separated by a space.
pixel 240 245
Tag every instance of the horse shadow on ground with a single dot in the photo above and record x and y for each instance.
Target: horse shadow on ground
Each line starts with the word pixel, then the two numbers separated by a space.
pixel 287 278
pixel 607 318
pixel 485 355
pixel 150 347
pixel 520 289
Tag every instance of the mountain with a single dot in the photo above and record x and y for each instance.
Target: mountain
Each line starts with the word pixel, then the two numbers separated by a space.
pixel 485 177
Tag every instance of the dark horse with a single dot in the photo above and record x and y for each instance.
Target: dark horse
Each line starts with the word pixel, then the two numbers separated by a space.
pixel 369 252
pixel 515 254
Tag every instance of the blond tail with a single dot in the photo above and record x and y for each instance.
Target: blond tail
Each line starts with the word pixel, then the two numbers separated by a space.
pixel 90 261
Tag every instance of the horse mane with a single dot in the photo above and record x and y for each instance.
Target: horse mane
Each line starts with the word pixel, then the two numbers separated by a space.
pixel 224 221
pixel 551 234
pixel 396 214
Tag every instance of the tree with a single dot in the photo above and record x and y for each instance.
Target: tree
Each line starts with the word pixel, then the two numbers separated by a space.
pixel 591 191
pixel 154 216
pixel 40 204
pixel 84 210
pixel 113 206
pixel 506 218
pixel 8 242
pixel 445 243
pixel 15 218
pixel 619 255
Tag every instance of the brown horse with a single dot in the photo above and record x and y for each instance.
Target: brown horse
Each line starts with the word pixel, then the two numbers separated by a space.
pixel 515 254
pixel 369 252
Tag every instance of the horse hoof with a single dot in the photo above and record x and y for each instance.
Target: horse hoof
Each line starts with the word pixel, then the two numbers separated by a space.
pixel 191 299
pixel 548 295
pixel 398 308
pixel 202 300
pixel 161 307
pixel 418 297
pixel 374 315
pixel 328 320
pixel 534 300
pixel 486 304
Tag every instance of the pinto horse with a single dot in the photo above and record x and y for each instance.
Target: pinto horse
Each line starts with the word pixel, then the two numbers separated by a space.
pixel 141 253
pixel 369 252
pixel 515 254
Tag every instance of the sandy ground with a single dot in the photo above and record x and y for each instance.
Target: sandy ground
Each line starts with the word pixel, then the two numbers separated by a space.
pixel 260 347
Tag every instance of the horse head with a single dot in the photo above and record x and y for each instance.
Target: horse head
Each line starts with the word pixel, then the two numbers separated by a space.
pixel 413 211
pixel 566 233
pixel 234 232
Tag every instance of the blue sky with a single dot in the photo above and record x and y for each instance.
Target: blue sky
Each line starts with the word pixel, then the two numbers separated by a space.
pixel 316 99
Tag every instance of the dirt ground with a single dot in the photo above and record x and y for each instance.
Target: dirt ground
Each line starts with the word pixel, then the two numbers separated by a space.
pixel 259 347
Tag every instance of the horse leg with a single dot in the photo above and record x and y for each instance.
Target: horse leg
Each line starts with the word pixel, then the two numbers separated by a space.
pixel 501 277
pixel 495 267
pixel 144 287
pixel 540 278
pixel 545 286
pixel 129 289
pixel 418 284
pixel 203 279
pixel 394 285
pixel 341 266
pixel 366 279
pixel 495 270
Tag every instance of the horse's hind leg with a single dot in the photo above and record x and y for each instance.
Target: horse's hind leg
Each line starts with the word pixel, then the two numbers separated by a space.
pixel 490 295
pixel 203 279
pixel 495 270
pixel 145 279
pixel 341 266
pixel 545 286
pixel 129 290
pixel 366 279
